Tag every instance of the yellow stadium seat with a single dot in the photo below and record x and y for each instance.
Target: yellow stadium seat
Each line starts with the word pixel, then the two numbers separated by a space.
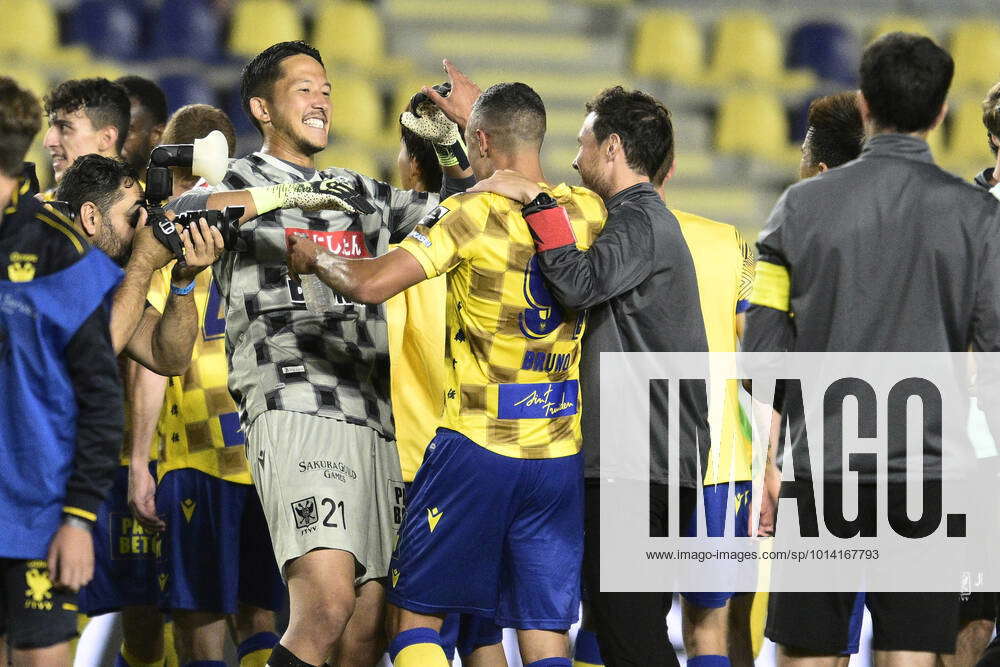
pixel 257 24
pixel 30 28
pixel 753 124
pixel 749 48
pixel 975 46
pixel 668 45
pixel 349 32
pixel 967 142
pixel 899 23
pixel 357 109
pixel 348 156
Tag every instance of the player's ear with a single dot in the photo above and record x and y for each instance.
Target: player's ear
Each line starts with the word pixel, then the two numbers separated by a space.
pixel 258 107
pixel 90 218
pixel 483 140
pixel 107 139
pixel 613 145
pixel 822 166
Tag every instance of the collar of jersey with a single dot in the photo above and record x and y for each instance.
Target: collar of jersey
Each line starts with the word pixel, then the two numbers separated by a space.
pixel 278 164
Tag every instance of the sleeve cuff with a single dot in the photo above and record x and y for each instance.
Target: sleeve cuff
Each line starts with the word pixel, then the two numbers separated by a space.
pixel 79 512
pixel 412 246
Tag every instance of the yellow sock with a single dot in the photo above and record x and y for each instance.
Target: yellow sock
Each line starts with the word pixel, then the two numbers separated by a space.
pixel 418 647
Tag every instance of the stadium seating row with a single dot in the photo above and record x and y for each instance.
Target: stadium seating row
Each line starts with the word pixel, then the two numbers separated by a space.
pixel 346 31
pixel 670 45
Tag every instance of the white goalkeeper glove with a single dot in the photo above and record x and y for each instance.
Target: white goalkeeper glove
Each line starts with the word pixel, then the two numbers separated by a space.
pixel 338 194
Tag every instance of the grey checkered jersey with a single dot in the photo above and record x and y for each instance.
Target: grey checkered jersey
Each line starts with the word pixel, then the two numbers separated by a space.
pixel 282 356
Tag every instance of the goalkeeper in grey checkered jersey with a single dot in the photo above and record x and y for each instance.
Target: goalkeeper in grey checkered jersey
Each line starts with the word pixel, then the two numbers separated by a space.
pixel 313 388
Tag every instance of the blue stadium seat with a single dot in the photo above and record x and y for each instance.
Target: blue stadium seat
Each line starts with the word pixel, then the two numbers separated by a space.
pixel 110 28
pixel 187 29
pixel 233 107
pixel 182 89
pixel 829 49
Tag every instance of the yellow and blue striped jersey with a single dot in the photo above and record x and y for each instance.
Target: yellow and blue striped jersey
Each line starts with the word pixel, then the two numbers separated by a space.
pixel 199 425
pixel 724 265
pixel 511 353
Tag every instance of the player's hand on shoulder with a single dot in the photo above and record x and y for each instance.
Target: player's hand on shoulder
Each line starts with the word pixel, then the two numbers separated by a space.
pixel 509 183
pixel 71 557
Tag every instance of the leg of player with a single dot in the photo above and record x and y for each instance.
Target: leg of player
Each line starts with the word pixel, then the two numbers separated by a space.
pixel 705 631
pixel 201 636
pixel 486 656
pixel 969 645
pixel 539 645
pixel 41 657
pixel 363 641
pixel 789 657
pixel 416 639
pixel 740 633
pixel 479 642
pixel 321 594
pixel 904 659
pixel 142 635
pixel 253 632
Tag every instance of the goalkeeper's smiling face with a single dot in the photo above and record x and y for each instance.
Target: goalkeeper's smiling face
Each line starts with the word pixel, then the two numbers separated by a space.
pixel 299 108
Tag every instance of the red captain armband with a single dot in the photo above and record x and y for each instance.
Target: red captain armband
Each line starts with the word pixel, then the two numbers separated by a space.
pixel 549 225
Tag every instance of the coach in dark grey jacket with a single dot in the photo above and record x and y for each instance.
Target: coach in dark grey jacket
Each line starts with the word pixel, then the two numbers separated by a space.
pixel 886 253
pixel 638 283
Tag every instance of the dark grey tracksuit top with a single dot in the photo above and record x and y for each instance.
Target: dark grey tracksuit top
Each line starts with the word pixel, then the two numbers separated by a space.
pixel 638 282
pixel 887 253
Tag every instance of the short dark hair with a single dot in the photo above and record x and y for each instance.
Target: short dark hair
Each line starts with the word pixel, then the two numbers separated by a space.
pixel 642 122
pixel 422 150
pixel 512 113
pixel 96 179
pixel 20 120
pixel 194 121
pixel 259 75
pixel 104 102
pixel 905 79
pixel 836 133
pixel 991 114
pixel 149 95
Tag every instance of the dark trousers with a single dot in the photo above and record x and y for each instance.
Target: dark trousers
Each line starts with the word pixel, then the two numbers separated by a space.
pixel 631 628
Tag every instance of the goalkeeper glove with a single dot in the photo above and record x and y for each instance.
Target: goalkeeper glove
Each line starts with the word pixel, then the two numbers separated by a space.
pixel 429 122
pixel 336 194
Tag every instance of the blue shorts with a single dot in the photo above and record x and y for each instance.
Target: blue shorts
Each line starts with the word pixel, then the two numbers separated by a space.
pixel 217 552
pixel 124 556
pixel 491 535
pixel 716 498
pixel 466 633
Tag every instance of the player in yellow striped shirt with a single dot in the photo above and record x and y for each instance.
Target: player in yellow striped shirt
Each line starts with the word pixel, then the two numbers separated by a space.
pixel 416 324
pixel 494 525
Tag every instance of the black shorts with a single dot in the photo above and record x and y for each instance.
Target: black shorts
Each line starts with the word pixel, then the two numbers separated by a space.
pixel 830 623
pixel 33 614
pixel 978 607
